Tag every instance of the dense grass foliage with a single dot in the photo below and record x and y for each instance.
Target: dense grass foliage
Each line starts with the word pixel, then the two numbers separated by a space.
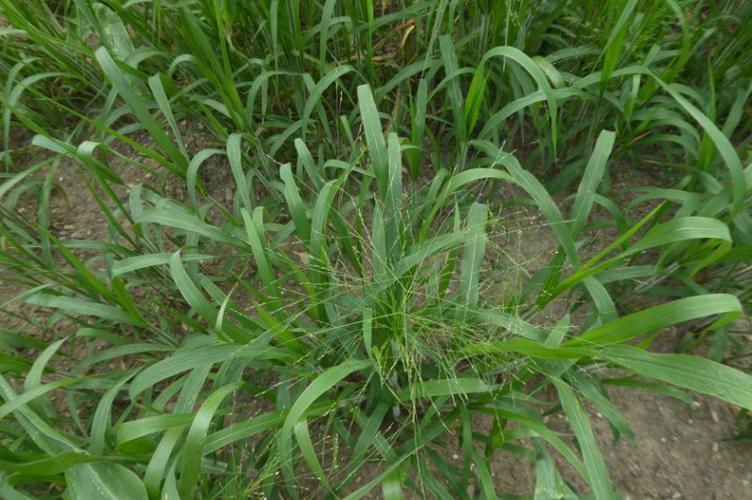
pixel 325 330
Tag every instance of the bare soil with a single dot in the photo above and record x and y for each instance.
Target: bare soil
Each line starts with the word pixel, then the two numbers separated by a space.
pixel 679 451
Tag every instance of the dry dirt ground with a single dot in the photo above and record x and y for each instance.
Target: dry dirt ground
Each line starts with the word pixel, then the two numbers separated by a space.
pixel 680 450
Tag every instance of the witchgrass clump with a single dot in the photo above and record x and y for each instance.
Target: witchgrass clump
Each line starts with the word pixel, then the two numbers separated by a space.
pixel 321 332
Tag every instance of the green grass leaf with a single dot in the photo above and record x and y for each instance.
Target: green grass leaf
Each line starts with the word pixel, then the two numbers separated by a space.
pixel 321 384
pixel 614 45
pixel 591 179
pixel 72 305
pixel 103 480
pixel 473 254
pixel 191 454
pixel 597 474
pixel 138 107
pixel 691 372
pixel 459 387
pixel 535 71
pixel 138 262
pixel 371 123
pixel 187 222
pixel 661 316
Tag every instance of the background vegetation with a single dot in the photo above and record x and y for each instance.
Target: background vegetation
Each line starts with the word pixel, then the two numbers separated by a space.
pixel 301 201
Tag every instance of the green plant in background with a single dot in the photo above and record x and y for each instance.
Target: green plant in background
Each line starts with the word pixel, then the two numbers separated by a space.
pixel 321 332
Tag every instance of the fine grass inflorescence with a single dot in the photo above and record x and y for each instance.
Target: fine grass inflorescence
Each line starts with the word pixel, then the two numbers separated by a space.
pixel 278 263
